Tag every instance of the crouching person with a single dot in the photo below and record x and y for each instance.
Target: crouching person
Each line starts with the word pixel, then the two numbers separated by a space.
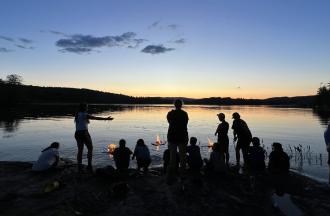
pixel 142 154
pixel 121 156
pixel 216 164
pixel 278 167
pixel 48 159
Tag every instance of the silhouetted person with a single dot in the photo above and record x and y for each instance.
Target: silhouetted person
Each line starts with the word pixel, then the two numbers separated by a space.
pixel 48 159
pixel 256 157
pixel 177 137
pixel 243 136
pixel 279 161
pixel 278 167
pixel 166 159
pixel 82 135
pixel 222 132
pixel 194 158
pixel 327 141
pixel 142 154
pixel 216 163
pixel 122 155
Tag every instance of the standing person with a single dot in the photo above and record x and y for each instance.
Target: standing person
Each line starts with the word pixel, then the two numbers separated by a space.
pixel 222 132
pixel 243 136
pixel 177 137
pixel 327 142
pixel 82 135
pixel 121 155
pixel 142 154
pixel 48 159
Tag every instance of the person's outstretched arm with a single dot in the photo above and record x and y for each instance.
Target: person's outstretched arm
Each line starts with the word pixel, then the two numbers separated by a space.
pixel 100 118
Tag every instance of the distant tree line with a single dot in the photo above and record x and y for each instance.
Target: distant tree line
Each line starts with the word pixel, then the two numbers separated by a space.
pixel 323 97
pixel 13 92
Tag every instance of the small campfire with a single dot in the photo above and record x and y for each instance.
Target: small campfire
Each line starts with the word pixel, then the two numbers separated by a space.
pixel 158 142
pixel 209 143
pixel 111 148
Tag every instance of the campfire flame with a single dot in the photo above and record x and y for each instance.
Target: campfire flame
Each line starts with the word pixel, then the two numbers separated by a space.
pixel 209 143
pixel 158 141
pixel 111 148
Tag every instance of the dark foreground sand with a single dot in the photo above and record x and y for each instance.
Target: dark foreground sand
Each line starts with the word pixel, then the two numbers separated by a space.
pixel 23 193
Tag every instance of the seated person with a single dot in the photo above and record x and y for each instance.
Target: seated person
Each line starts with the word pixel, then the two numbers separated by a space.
pixel 256 156
pixel 194 158
pixel 48 159
pixel 216 163
pixel 122 155
pixel 279 161
pixel 142 154
pixel 166 159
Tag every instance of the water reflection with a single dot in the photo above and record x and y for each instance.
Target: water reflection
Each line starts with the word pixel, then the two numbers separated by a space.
pixel 323 115
pixel 36 125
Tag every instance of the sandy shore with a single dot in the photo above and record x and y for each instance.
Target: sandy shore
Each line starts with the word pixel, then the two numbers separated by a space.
pixel 23 192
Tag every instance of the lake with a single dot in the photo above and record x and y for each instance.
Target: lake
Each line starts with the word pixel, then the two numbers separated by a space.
pixel 27 130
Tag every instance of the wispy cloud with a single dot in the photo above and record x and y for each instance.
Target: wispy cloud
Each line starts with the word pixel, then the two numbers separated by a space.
pixel 27 41
pixel 5 50
pixel 154 25
pixel 24 47
pixel 80 43
pixel 156 49
pixel 77 50
pixel 180 41
pixel 173 26
pixel 7 38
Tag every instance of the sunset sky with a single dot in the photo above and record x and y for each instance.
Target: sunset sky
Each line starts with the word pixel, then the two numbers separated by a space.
pixel 236 48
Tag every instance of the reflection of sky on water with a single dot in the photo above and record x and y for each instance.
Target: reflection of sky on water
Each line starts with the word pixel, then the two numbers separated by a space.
pixel 289 126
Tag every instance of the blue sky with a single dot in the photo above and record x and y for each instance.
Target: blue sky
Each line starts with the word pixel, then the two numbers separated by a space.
pixel 237 48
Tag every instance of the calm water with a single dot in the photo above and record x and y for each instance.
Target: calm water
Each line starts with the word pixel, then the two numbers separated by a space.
pixel 24 133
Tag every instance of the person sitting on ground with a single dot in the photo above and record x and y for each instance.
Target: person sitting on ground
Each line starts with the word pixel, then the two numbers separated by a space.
pixel 142 154
pixel 279 161
pixel 256 157
pixel 48 159
pixel 216 163
pixel 194 158
pixel 122 155
pixel 166 159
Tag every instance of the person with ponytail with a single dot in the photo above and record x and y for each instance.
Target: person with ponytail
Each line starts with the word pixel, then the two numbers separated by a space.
pixel 82 135
pixel 48 159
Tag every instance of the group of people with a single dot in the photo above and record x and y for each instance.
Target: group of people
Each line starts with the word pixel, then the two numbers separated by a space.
pixel 179 154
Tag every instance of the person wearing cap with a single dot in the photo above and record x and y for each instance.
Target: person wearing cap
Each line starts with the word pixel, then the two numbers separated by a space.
pixel 177 137
pixel 243 136
pixel 222 132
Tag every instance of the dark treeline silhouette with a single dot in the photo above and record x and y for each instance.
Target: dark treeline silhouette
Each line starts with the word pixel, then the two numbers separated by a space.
pixel 12 94
pixel 323 97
